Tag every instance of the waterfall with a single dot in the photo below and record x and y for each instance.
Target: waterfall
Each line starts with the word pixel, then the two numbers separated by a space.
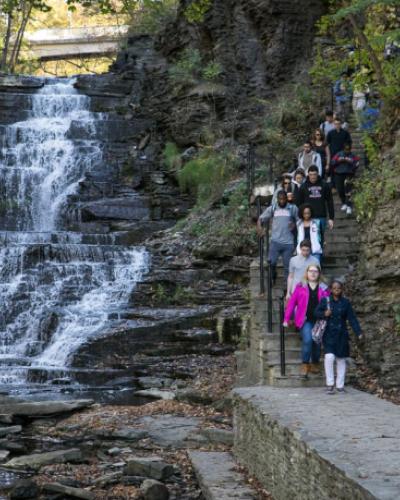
pixel 57 287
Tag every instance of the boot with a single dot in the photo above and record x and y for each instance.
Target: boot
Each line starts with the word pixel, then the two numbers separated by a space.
pixel 305 367
pixel 314 368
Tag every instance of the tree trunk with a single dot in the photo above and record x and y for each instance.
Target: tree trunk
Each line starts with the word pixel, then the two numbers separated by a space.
pixel 18 42
pixel 367 46
pixel 3 64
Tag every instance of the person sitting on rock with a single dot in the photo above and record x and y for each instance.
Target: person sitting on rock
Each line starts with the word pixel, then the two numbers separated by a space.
pixel 337 311
pixel 344 165
pixel 303 302
pixel 308 229
pixel 284 218
pixel 309 157
pixel 298 265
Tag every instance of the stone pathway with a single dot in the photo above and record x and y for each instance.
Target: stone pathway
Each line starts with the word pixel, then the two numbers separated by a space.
pixel 301 443
pixel 217 477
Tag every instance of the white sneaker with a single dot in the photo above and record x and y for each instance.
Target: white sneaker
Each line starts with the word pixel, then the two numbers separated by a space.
pixel 343 208
pixel 349 211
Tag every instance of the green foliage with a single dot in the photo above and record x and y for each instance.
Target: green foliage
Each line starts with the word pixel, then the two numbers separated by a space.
pixel 212 71
pixel 206 176
pixel 186 69
pixel 377 184
pixel 172 157
pixel 172 295
pixel 152 15
pixel 196 11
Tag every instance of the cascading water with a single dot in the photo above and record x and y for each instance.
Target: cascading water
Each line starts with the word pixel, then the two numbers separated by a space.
pixel 57 288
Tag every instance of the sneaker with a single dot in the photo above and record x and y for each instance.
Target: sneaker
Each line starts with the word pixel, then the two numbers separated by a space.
pixel 342 390
pixel 344 207
pixel 330 390
pixel 349 211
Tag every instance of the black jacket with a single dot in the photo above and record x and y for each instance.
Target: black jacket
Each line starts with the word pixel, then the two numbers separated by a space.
pixel 336 336
pixel 319 196
pixel 337 140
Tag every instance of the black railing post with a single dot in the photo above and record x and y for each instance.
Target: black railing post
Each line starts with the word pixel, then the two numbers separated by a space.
pixel 269 298
pixel 282 337
pixel 261 251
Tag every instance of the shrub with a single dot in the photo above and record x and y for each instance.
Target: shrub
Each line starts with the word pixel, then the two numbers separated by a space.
pixel 206 176
pixel 212 71
pixel 196 11
pixel 187 68
pixel 172 157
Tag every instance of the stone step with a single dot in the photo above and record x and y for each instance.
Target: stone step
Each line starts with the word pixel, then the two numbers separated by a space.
pixel 349 441
pixel 298 381
pixel 218 477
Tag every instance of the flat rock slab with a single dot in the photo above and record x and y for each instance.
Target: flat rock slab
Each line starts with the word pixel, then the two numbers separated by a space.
pixel 37 460
pixel 348 444
pixel 43 408
pixel 217 476
pixel 169 430
pixel 68 490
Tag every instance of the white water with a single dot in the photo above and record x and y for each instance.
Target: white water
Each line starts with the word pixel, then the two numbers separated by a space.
pixel 48 276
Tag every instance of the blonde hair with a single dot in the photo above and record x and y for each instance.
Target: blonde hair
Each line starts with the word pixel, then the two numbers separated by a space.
pixel 321 278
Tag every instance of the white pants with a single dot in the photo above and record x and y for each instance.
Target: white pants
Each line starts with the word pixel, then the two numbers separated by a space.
pixel 340 370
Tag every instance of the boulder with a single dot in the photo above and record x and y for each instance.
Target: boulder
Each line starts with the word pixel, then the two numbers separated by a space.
pixel 24 489
pixel 37 460
pixel 154 490
pixel 152 467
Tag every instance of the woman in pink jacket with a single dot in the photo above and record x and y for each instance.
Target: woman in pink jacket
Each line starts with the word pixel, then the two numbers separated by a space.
pixel 303 302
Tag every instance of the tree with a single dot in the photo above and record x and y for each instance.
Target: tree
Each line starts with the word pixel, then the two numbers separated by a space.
pixel 17 14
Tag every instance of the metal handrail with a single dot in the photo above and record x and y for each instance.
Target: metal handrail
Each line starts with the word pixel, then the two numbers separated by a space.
pixel 269 305
pixel 261 252
pixel 282 337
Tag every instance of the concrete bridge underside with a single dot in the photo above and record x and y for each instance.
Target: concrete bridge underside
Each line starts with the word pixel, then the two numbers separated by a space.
pixel 74 43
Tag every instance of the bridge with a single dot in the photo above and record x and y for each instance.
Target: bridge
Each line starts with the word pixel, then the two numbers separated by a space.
pixel 73 43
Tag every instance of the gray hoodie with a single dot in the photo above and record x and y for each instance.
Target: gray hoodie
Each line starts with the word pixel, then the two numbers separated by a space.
pixel 283 219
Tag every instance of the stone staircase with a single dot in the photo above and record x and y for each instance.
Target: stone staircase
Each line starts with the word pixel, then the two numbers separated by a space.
pixel 261 362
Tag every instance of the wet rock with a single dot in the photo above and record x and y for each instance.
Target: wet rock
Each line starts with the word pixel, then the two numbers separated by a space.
pixel 42 408
pixel 13 429
pixel 6 444
pixel 24 489
pixel 156 394
pixel 6 418
pixel 37 460
pixel 154 490
pixel 218 436
pixel 154 382
pixel 153 467
pixel 4 455
pixel 133 207
pixel 68 490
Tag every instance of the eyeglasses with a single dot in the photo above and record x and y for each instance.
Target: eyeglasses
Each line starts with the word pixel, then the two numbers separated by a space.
pixel 286 183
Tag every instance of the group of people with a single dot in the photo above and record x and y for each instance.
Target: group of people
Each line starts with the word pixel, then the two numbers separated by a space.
pixel 301 210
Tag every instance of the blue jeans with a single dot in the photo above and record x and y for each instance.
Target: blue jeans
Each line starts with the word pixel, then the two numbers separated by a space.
pixel 317 256
pixel 309 349
pixel 277 249
pixel 322 227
